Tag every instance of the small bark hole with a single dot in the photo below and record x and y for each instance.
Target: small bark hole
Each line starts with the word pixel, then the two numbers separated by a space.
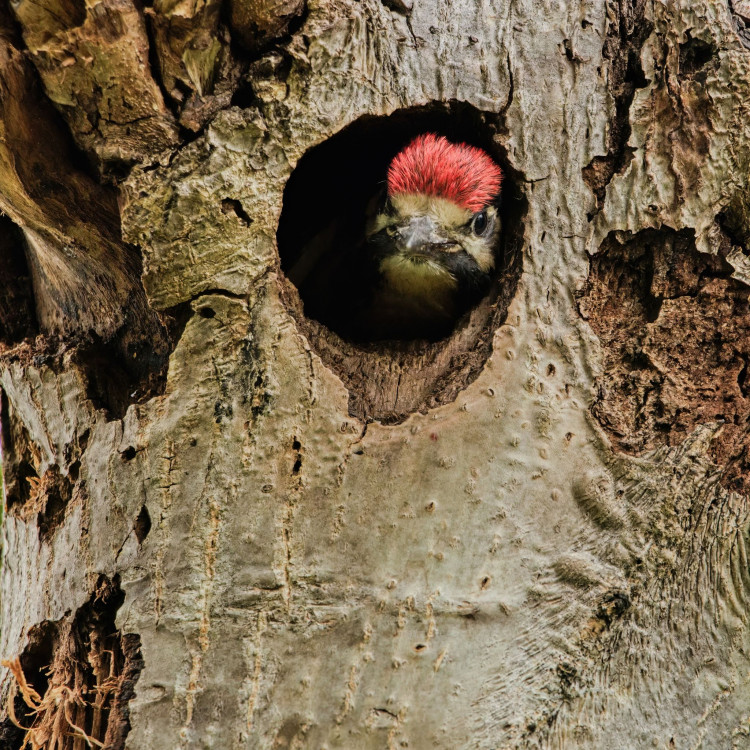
pixel 297 448
pixel 142 525
pixel 128 454
pixel 232 207
pixel 613 605
pixel 327 200
pixel 695 54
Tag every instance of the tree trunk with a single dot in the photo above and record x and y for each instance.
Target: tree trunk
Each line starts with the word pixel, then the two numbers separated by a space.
pixel 228 527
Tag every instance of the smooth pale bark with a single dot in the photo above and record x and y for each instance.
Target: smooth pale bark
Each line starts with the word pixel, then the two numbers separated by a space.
pixel 539 559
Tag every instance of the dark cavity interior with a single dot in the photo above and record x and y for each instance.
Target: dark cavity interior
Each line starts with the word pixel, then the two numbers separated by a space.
pixel 329 192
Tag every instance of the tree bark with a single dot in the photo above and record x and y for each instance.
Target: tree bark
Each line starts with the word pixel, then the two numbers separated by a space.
pixel 227 527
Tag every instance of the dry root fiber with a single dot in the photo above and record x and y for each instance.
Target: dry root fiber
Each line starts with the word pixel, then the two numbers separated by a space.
pixel 74 680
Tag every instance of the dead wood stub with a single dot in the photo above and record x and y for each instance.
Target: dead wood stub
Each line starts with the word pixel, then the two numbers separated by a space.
pixel 75 679
pixel 627 32
pixel 94 64
pixel 85 281
pixel 329 192
pixel 673 326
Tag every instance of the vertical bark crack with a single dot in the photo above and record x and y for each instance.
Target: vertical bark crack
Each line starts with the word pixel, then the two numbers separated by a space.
pixel 626 35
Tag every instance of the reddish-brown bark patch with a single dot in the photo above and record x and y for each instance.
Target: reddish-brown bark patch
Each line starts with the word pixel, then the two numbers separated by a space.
pixel 673 326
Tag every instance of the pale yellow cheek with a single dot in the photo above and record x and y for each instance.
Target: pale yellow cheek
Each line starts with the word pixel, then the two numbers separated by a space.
pixel 482 255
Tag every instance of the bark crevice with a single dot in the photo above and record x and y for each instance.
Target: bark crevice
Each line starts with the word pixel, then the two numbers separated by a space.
pixel 627 32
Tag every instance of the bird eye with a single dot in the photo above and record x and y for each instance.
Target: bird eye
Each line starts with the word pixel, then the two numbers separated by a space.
pixel 480 223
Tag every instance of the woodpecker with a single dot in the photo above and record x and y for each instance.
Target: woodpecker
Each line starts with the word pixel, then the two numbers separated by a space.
pixel 427 252
pixel 434 240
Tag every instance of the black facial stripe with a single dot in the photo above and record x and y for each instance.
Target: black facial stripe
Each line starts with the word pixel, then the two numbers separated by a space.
pixel 380 245
pixel 472 280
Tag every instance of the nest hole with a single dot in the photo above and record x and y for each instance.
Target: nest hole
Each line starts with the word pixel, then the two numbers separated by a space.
pixel 324 214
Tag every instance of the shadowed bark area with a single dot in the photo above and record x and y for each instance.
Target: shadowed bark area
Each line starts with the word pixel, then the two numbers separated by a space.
pixel 76 677
pixel 17 314
pixel 226 525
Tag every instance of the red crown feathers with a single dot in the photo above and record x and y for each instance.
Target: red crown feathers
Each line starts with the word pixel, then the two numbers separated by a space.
pixel 432 165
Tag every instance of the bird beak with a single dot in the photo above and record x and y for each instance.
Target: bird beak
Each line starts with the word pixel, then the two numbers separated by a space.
pixel 419 231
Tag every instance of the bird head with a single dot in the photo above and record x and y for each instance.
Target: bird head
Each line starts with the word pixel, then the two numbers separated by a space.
pixel 435 235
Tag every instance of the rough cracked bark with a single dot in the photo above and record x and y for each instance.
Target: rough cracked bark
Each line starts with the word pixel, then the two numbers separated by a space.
pixel 226 527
